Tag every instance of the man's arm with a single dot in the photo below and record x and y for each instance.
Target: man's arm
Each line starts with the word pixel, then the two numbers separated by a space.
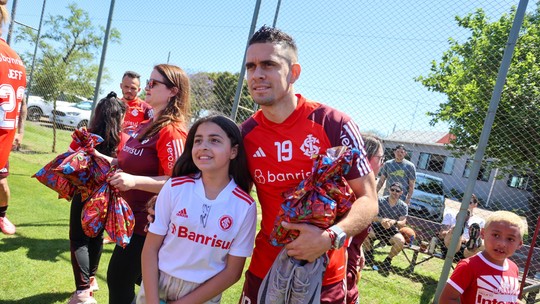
pixel 17 141
pixel 380 183
pixel 410 192
pixel 313 241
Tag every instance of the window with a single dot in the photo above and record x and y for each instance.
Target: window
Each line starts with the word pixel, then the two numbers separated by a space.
pixel 436 163
pixel 523 182
pixel 483 174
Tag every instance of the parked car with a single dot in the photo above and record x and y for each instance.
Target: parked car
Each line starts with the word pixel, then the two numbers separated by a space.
pixel 428 197
pixel 39 107
pixel 72 115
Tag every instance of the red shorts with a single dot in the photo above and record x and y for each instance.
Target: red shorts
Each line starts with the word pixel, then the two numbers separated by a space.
pixel 4 172
pixel 330 294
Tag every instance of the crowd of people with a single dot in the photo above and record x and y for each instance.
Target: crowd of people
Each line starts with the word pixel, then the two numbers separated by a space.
pixel 202 226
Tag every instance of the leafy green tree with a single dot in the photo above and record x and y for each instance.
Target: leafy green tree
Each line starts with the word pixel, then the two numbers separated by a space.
pixel 466 74
pixel 66 66
pixel 215 92
pixel 69 46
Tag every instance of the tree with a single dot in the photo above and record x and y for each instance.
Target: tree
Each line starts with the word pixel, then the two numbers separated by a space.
pixel 215 92
pixel 66 66
pixel 466 74
pixel 68 48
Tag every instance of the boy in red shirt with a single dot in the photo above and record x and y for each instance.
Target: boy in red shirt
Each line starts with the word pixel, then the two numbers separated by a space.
pixel 489 276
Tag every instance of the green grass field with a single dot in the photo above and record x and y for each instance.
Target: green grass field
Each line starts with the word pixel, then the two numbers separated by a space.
pixel 35 262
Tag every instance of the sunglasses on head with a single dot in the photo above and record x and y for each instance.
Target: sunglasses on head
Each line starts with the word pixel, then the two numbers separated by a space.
pixel 150 83
pixel 395 190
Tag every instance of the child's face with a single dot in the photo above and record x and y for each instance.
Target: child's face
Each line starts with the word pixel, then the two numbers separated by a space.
pixel 501 240
pixel 212 151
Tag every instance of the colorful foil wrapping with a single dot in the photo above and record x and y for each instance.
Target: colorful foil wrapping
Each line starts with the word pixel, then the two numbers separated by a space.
pixel 320 199
pixel 86 173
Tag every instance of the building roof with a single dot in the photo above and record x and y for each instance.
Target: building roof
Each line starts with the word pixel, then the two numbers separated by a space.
pixel 420 137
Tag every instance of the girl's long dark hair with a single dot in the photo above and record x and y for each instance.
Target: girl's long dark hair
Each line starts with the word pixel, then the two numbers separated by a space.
pixel 107 123
pixel 238 166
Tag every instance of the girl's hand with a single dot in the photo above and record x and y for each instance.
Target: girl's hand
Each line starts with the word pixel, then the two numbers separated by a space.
pixel 122 181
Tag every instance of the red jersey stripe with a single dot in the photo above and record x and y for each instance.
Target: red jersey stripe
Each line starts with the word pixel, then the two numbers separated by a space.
pixel 243 195
pixel 177 181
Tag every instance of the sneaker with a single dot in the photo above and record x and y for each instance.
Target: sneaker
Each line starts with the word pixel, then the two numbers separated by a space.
pixel 474 237
pixel 6 226
pixel 307 281
pixel 82 297
pixel 93 284
pixel 276 284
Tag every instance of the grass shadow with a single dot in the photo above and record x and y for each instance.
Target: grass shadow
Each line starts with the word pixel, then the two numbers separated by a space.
pixel 38 249
pixel 40 298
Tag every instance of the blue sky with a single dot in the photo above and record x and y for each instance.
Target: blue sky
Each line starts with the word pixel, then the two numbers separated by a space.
pixel 358 56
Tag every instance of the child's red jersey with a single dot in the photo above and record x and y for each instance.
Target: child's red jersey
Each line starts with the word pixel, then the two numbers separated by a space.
pixel 279 157
pixel 12 87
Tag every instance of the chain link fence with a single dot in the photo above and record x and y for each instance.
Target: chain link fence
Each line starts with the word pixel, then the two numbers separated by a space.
pixel 415 73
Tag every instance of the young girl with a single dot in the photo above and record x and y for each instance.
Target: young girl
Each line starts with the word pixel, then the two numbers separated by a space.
pixel 205 220
pixel 86 252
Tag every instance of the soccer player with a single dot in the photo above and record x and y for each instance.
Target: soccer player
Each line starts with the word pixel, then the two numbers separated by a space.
pixel 280 140
pixel 12 114
pixel 138 109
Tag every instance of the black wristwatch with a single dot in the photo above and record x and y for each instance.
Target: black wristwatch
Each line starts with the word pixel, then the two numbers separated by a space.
pixel 337 236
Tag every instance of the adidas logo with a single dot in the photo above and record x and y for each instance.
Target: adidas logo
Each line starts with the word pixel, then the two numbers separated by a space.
pixel 182 213
pixel 259 153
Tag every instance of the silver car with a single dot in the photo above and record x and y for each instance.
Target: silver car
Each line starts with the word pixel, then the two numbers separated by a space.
pixel 73 115
pixel 428 198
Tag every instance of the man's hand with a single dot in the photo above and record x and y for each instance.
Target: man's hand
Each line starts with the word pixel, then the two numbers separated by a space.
pixel 17 141
pixel 408 201
pixel 387 223
pixel 310 244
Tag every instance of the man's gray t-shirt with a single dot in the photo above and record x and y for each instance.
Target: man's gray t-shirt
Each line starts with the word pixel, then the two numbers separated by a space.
pixel 395 212
pixel 398 172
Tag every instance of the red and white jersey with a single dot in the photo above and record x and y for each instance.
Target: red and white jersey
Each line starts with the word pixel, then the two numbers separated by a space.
pixel 137 112
pixel 279 157
pixel 12 87
pixel 200 233
pixel 480 281
pixel 154 156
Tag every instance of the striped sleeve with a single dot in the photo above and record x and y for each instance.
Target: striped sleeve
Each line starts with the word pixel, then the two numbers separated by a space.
pixel 169 147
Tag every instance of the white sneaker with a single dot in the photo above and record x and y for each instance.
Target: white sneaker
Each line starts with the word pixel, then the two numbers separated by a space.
pixel 93 284
pixel 6 226
pixel 82 297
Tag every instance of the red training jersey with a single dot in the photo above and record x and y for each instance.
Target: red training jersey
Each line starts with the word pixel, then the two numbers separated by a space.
pixel 480 281
pixel 12 87
pixel 154 156
pixel 137 112
pixel 279 157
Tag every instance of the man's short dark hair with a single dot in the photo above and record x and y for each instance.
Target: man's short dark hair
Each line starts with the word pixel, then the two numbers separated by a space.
pixel 267 34
pixel 131 74
pixel 397 184
pixel 400 146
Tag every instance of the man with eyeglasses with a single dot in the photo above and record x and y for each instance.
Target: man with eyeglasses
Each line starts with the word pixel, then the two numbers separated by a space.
pixel 398 170
pixel 138 110
pixel 385 227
